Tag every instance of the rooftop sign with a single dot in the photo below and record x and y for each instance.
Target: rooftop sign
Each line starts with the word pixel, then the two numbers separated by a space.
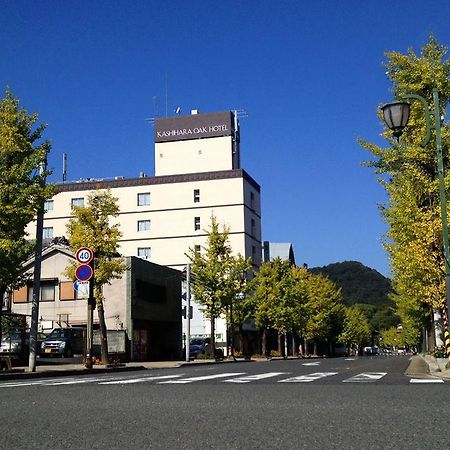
pixel 196 126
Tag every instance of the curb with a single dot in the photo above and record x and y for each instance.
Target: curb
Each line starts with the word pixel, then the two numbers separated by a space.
pixel 436 368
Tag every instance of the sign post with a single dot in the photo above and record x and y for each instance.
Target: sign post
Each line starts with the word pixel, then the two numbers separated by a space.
pixel 84 272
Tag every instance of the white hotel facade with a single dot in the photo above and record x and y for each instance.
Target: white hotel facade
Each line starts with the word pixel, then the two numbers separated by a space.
pixel 197 174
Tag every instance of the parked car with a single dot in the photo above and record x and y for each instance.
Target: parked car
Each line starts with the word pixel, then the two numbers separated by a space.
pixel 199 346
pixel 17 343
pixel 401 351
pixel 64 342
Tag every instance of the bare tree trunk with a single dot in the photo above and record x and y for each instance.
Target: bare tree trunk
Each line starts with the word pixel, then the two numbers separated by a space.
pixel 103 332
pixel 2 294
pixel 279 345
pixel 213 337
pixel 264 343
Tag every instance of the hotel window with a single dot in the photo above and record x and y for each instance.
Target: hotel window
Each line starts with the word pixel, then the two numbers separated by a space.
pixel 79 202
pixel 253 252
pixel 47 233
pixel 143 199
pixel 196 195
pixel 252 200
pixel 197 249
pixel 253 227
pixel 143 225
pixel 196 223
pixel 144 252
pixel 48 205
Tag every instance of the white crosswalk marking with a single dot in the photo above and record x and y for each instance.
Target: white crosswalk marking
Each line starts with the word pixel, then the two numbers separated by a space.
pixel 71 381
pixel 32 382
pixel 311 364
pixel 426 380
pixel 141 380
pixel 366 377
pixel 228 377
pixel 308 378
pixel 206 377
pixel 257 377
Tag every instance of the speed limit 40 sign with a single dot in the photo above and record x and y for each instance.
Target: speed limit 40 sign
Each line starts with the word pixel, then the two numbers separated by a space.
pixel 84 255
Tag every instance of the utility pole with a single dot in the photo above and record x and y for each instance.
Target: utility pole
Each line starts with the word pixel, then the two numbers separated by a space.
pixel 36 282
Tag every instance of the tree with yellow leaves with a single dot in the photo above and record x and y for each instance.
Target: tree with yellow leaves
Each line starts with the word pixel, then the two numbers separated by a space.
pixel 408 172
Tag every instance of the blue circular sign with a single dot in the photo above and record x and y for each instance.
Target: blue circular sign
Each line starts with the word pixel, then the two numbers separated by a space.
pixel 84 272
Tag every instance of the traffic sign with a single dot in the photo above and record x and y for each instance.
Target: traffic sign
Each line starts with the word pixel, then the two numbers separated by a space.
pixel 82 288
pixel 84 255
pixel 84 272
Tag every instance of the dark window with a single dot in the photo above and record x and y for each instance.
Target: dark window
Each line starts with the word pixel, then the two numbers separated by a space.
pixel 196 195
pixel 197 249
pixel 47 291
pixel 150 292
pixel 196 223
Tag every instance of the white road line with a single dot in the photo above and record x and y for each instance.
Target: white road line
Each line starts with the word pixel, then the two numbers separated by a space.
pixel 349 359
pixel 366 377
pixel 426 380
pixel 72 381
pixel 141 380
pixel 31 383
pixel 257 377
pixel 206 377
pixel 308 378
pixel 311 364
pixel 7 385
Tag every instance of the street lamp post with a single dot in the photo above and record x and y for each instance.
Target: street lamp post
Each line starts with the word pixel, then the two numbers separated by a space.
pixel 396 116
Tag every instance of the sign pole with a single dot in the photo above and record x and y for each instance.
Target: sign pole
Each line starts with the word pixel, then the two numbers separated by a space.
pixel 90 322
pixel 188 311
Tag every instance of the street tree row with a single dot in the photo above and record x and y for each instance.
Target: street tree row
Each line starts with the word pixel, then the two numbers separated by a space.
pixel 279 296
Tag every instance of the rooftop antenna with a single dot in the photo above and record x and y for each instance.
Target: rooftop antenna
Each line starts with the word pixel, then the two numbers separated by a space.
pixel 64 168
pixel 237 114
pixel 155 101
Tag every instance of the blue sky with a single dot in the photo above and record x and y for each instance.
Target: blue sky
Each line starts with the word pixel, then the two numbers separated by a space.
pixel 308 73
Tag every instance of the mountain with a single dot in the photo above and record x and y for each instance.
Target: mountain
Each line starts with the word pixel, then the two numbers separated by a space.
pixel 359 283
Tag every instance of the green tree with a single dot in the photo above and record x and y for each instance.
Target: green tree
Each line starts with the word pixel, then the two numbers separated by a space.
pixel 216 275
pixel 280 299
pixel 22 187
pixel 325 310
pixel 356 328
pixel 91 227
pixel 408 172
pixel 241 307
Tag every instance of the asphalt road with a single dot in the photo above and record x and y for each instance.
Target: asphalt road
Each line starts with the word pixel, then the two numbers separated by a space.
pixel 360 403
